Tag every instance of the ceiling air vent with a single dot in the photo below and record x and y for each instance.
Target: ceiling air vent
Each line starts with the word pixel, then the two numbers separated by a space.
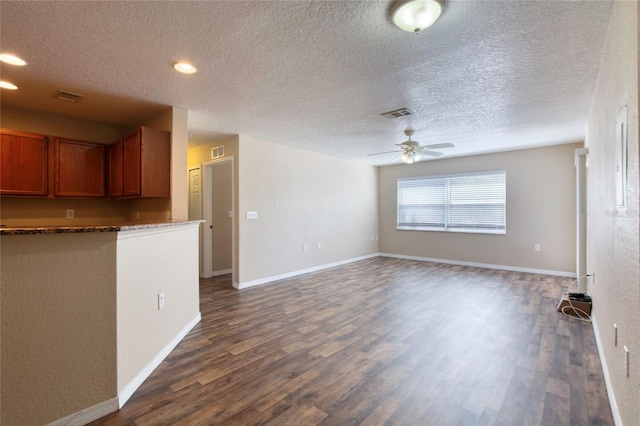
pixel 217 152
pixel 402 112
pixel 68 96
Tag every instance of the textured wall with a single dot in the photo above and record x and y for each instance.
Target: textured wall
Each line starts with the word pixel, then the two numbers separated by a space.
pixel 613 235
pixel 540 209
pixel 58 325
pixel 302 198
pixel 150 262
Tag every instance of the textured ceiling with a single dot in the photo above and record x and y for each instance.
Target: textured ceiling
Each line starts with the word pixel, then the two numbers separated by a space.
pixel 488 76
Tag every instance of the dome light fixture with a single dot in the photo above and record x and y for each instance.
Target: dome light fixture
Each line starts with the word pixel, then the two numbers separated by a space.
pixel 416 15
pixel 8 58
pixel 185 68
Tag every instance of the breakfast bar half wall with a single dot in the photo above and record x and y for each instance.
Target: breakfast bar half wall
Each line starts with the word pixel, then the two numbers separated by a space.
pixel 81 322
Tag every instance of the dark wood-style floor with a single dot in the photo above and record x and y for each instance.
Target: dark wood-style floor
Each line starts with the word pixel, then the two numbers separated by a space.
pixel 381 341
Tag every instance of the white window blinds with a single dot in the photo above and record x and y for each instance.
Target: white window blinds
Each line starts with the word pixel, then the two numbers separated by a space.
pixel 462 203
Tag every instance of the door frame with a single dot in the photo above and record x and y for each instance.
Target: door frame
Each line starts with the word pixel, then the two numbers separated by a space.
pixel 206 176
pixel 199 213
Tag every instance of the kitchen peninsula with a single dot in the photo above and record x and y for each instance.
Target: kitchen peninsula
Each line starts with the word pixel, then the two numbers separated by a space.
pixel 88 312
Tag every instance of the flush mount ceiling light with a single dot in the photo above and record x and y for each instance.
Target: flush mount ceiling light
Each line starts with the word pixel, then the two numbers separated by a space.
pixel 7 85
pixel 416 15
pixel 8 58
pixel 185 68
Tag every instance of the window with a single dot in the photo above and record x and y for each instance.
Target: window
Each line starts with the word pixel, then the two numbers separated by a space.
pixel 456 203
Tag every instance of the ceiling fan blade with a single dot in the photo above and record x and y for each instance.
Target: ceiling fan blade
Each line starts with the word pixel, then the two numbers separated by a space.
pixel 437 146
pixel 386 152
pixel 431 153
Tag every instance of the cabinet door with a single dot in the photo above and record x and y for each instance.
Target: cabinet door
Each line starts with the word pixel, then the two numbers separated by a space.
pixel 156 163
pixel 132 163
pixel 23 164
pixel 79 169
pixel 115 170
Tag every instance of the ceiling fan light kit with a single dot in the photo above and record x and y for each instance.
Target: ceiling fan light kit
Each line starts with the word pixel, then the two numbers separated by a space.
pixel 411 151
pixel 416 15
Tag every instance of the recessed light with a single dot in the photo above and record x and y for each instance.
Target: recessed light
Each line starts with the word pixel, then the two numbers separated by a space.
pixel 12 59
pixel 8 86
pixel 185 68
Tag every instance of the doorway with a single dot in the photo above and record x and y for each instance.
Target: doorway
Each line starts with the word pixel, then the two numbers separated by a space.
pixel 217 212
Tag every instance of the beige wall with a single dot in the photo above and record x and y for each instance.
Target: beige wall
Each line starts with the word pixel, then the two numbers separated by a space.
pixel 222 224
pixel 16 212
pixel 613 235
pixel 52 211
pixel 200 154
pixel 301 198
pixel 540 210
pixel 150 262
pixel 28 121
pixel 80 318
pixel 58 325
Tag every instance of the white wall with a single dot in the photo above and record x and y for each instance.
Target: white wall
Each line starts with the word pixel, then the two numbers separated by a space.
pixel 150 262
pixel 540 210
pixel 614 235
pixel 301 198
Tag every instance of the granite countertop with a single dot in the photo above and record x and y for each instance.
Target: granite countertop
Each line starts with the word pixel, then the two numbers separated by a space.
pixel 26 230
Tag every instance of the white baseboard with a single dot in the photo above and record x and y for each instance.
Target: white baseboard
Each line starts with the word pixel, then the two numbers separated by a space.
pixel 484 265
pixel 607 377
pixel 133 385
pixel 222 272
pixel 266 280
pixel 89 414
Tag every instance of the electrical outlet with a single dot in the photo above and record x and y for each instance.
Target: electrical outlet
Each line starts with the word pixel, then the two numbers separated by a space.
pixel 615 334
pixel 305 247
pixel 160 300
pixel 536 247
pixel 626 361
pixel 70 213
pixel 372 238
pixel 319 246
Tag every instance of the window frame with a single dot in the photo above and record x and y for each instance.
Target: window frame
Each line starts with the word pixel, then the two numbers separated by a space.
pixel 447 205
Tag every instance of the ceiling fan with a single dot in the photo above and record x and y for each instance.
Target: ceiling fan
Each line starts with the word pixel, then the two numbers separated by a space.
pixel 412 150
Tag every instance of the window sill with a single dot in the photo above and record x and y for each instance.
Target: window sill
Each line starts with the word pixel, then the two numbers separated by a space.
pixel 457 231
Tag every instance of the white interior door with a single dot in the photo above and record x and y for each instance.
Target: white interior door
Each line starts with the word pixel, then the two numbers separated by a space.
pixel 195 206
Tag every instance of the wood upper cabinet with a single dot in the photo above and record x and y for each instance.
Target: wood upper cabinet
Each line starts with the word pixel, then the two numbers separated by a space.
pixel 115 170
pixel 79 169
pixel 146 164
pixel 23 163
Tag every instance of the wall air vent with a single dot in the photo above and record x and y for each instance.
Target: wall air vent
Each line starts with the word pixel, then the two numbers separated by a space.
pixel 68 96
pixel 402 112
pixel 217 152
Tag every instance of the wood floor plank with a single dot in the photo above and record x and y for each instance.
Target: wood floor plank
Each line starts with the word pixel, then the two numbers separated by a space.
pixel 381 341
